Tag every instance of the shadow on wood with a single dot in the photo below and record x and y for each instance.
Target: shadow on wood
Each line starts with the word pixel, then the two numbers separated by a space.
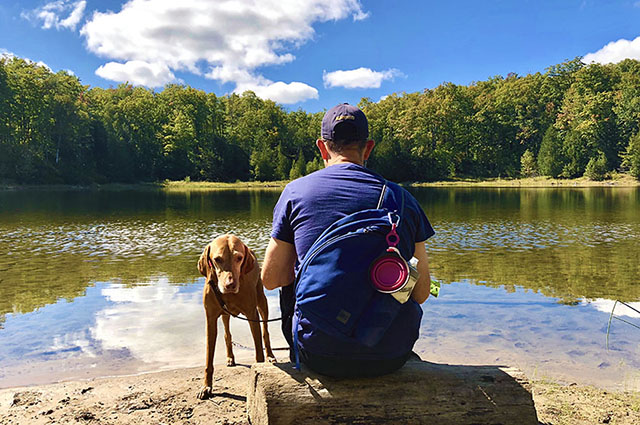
pixel 419 393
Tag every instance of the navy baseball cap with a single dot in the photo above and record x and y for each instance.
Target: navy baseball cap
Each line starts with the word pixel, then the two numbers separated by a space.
pixel 345 114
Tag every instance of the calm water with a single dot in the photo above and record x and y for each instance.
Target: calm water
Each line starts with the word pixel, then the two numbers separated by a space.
pixel 96 283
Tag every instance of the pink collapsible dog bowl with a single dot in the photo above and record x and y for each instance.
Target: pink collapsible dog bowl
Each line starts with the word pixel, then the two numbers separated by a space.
pixel 389 273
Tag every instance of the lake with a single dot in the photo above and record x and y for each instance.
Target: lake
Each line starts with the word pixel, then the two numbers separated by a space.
pixel 104 282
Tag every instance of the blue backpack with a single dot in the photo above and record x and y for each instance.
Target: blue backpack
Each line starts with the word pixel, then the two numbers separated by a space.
pixel 338 313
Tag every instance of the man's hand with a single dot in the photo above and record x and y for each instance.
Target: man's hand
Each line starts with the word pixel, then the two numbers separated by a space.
pixel 423 286
pixel 279 263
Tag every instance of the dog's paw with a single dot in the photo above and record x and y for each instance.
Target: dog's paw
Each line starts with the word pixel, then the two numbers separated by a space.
pixel 205 393
pixel 271 359
pixel 231 361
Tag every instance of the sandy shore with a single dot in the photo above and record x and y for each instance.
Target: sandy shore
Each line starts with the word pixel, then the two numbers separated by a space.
pixel 154 398
pixel 170 398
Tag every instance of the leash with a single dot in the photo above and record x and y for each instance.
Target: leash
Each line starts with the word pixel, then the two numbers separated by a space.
pixel 218 295
pixel 244 347
pixel 224 308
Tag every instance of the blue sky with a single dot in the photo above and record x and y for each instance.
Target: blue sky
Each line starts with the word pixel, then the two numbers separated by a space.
pixel 312 54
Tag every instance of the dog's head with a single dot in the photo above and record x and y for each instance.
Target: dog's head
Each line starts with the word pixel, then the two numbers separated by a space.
pixel 224 261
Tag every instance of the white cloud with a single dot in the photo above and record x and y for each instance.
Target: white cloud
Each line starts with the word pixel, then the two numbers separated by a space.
pixel 51 14
pixel 280 92
pixel 227 41
pixel 361 78
pixel 137 73
pixel 615 51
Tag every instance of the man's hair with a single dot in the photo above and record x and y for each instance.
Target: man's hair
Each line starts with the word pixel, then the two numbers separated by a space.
pixel 345 137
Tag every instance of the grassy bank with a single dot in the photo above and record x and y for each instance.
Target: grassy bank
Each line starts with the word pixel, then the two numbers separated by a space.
pixel 180 185
pixel 615 180
pixel 189 185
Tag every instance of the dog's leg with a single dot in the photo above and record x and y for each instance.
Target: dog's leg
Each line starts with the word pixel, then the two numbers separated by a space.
pixel 212 334
pixel 263 309
pixel 231 361
pixel 257 335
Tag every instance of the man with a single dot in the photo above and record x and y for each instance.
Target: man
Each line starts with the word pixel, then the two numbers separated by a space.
pixel 310 204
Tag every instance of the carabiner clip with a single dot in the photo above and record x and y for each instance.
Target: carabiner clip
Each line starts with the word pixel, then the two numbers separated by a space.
pixel 397 222
pixel 392 237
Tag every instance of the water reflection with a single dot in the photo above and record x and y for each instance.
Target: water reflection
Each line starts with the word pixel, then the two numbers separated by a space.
pixel 116 329
pixel 566 243
pixel 155 322
pixel 472 324
pixel 99 282
pixel 629 310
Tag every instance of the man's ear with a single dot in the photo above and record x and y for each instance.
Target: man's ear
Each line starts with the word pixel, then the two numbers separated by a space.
pixel 203 262
pixel 248 262
pixel 322 147
pixel 368 148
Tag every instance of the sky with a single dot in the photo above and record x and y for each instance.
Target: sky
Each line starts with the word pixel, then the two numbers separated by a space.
pixel 313 54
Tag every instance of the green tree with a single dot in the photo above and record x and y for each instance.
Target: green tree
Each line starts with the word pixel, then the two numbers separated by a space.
pixel 54 129
pixel 527 164
pixel 6 98
pixel 298 169
pixel 550 157
pixel 632 156
pixel 314 165
pixel 587 117
pixel 597 167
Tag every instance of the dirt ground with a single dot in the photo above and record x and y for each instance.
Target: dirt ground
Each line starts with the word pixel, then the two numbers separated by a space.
pixel 170 398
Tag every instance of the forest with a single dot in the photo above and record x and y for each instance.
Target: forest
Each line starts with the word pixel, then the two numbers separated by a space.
pixel 572 120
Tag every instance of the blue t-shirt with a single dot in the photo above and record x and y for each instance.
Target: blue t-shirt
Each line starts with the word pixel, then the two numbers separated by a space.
pixel 310 204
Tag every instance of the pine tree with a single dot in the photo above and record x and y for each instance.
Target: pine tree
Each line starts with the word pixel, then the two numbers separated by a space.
pixel 298 168
pixel 314 165
pixel 550 157
pixel 527 164
pixel 597 167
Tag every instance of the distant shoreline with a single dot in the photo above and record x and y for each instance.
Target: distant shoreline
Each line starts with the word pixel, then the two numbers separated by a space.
pixel 616 180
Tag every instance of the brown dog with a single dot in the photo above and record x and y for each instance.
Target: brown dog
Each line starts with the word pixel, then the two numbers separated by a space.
pixel 233 286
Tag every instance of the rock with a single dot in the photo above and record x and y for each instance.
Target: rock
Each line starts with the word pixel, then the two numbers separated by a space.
pixel 419 393
pixel 85 390
pixel 26 398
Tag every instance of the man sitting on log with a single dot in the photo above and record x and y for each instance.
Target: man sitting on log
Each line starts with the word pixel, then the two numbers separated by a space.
pixel 345 235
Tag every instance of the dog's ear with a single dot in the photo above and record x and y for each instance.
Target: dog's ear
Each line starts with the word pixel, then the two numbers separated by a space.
pixel 203 262
pixel 248 262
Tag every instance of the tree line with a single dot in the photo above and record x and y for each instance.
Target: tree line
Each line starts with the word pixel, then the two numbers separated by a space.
pixel 572 120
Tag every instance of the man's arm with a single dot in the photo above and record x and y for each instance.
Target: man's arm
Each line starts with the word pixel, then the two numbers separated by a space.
pixel 279 263
pixel 423 286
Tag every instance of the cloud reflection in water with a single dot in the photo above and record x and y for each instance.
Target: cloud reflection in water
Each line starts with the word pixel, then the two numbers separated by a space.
pixel 164 324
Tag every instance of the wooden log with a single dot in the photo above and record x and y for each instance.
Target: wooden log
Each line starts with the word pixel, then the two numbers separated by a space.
pixel 419 393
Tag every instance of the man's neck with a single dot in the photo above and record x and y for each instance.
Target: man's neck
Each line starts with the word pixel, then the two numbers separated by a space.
pixel 341 161
pixel 344 159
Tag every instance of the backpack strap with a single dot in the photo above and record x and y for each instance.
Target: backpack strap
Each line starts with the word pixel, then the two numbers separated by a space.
pixel 382 193
pixel 392 196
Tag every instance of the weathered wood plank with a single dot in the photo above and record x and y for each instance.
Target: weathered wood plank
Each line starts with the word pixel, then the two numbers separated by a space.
pixel 419 393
